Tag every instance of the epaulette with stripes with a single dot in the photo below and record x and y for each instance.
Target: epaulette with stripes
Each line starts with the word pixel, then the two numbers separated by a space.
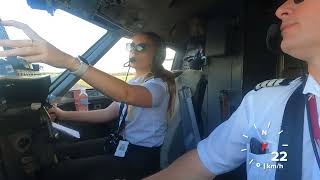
pixel 273 83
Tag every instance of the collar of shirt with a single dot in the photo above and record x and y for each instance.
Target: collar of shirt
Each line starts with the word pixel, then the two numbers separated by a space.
pixel 136 81
pixel 312 86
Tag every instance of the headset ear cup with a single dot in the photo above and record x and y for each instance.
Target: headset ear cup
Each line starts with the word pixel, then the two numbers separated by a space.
pixel 159 56
pixel 163 54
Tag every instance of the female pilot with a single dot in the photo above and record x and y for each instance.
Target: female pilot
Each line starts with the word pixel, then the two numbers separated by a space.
pixel 143 104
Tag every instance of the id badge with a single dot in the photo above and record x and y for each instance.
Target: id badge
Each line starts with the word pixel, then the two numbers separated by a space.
pixel 121 149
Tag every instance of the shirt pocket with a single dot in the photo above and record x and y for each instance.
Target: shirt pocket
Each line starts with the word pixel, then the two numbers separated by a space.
pixel 260 166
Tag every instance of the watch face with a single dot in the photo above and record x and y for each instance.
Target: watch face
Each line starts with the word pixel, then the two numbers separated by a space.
pixel 259 146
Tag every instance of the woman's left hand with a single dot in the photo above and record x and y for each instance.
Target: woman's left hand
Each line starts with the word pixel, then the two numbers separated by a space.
pixel 36 49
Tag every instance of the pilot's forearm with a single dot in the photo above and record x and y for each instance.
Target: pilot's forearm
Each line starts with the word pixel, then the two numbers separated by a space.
pixel 85 116
pixel 95 116
pixel 115 88
pixel 187 167
pixel 107 84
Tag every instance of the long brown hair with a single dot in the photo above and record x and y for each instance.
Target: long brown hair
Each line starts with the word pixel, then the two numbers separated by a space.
pixel 157 69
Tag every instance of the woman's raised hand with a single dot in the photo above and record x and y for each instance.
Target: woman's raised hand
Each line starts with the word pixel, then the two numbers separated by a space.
pixel 36 49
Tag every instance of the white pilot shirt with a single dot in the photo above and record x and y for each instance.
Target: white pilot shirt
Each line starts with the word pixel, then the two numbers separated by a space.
pixel 147 126
pixel 225 148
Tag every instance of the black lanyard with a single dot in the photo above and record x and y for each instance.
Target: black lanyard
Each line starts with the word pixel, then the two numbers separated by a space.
pixel 314 146
pixel 292 134
pixel 292 126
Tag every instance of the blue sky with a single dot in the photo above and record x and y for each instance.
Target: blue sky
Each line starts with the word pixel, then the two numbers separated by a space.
pixel 67 32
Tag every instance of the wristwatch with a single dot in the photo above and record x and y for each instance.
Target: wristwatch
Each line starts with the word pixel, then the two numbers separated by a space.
pixel 82 68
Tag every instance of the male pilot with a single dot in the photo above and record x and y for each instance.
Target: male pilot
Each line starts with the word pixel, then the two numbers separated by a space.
pixel 275 130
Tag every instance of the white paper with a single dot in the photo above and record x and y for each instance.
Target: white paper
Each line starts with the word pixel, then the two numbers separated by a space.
pixel 69 131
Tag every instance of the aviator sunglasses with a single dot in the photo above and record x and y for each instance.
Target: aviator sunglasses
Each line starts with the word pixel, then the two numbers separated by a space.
pixel 136 47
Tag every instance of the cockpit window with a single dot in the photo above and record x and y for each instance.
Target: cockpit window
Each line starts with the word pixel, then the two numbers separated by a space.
pixel 72 35
pixel 67 32
pixel 169 59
